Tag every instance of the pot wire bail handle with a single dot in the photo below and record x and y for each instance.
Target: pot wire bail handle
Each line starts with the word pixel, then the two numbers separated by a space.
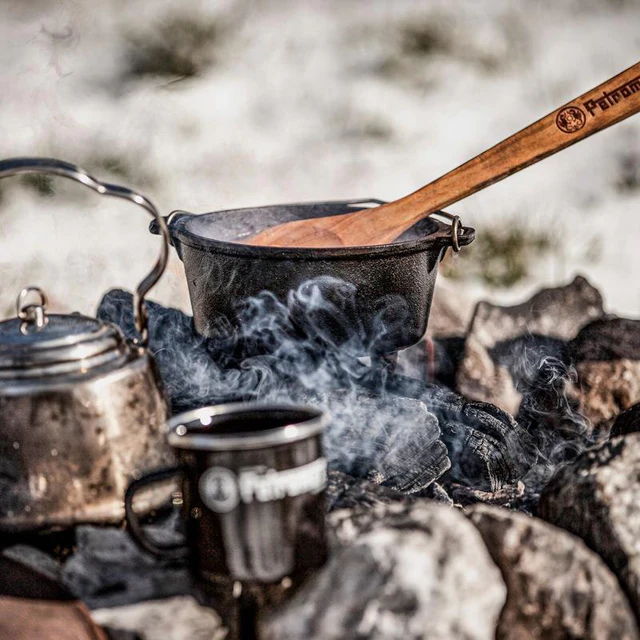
pixel 17 166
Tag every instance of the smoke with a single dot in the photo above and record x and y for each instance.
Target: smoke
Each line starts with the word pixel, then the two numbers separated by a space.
pixel 306 349
pixel 312 348
pixel 542 372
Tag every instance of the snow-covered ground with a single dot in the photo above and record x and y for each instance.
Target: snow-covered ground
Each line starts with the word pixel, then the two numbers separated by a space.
pixel 291 101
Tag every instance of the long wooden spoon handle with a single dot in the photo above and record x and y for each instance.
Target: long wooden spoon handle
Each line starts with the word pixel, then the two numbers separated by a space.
pixel 597 109
pixel 612 101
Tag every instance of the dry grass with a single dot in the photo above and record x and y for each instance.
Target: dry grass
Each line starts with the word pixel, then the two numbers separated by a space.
pixel 178 46
pixel 502 257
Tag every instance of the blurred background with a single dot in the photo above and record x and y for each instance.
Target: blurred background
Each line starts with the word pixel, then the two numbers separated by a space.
pixel 207 105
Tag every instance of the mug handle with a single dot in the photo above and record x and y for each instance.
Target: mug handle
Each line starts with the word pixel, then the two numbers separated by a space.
pixel 174 551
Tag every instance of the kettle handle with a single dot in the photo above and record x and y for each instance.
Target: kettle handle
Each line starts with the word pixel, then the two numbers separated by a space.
pixel 16 166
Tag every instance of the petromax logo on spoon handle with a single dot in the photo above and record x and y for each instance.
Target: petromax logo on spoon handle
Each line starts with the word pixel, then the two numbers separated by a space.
pixel 222 490
pixel 570 119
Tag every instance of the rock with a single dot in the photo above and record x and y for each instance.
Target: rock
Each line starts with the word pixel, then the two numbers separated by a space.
pixel 108 569
pixel 489 371
pixel 606 354
pixel 418 571
pixel 172 618
pixel 33 619
pixel 597 497
pixel 437 355
pixel 451 310
pixel 578 396
pixel 35 559
pixel 557 589
pixel 606 340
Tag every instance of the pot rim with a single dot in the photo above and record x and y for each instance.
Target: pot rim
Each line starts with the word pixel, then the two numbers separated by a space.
pixel 181 437
pixel 441 237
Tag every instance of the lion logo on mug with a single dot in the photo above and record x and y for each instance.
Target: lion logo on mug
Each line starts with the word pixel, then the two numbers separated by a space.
pixel 219 489
pixel 570 119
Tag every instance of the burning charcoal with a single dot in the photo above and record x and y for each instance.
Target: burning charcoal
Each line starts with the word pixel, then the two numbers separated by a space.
pixel 489 451
pixel 557 589
pixel 597 497
pixel 179 617
pixel 505 497
pixel 392 441
pixel 189 375
pixel 492 369
pixel 436 493
pixel 421 571
pixel 108 569
pixel 346 492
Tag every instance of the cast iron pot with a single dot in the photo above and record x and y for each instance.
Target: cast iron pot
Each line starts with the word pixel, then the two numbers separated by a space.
pixel 392 284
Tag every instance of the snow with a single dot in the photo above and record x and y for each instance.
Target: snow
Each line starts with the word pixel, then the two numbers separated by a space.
pixel 304 101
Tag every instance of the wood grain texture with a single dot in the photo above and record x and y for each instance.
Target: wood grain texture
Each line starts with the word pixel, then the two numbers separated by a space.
pixel 597 109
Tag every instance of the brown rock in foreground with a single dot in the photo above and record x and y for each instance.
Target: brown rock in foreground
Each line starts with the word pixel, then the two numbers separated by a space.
pixel 598 498
pixel 557 589
pixel 406 573
pixel 486 372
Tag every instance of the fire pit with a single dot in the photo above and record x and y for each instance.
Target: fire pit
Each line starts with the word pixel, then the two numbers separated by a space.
pixel 430 493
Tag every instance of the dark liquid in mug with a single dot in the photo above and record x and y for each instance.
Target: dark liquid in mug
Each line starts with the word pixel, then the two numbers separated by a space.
pixel 249 423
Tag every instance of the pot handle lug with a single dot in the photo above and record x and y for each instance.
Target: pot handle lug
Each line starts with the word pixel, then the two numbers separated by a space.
pixel 16 166
pixel 459 236
pixel 174 216
pixel 168 551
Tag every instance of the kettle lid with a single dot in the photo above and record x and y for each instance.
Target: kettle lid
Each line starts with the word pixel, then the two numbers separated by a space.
pixel 36 344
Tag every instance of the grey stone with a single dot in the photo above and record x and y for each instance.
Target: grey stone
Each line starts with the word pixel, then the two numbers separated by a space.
pixel 597 497
pixel 488 371
pixel 108 570
pixel 557 588
pixel 179 618
pixel 407 572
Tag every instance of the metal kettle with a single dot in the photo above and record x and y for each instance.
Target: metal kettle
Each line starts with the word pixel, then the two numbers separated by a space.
pixel 81 409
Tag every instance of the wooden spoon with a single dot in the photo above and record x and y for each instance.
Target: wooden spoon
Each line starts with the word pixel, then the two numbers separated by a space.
pixel 611 102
